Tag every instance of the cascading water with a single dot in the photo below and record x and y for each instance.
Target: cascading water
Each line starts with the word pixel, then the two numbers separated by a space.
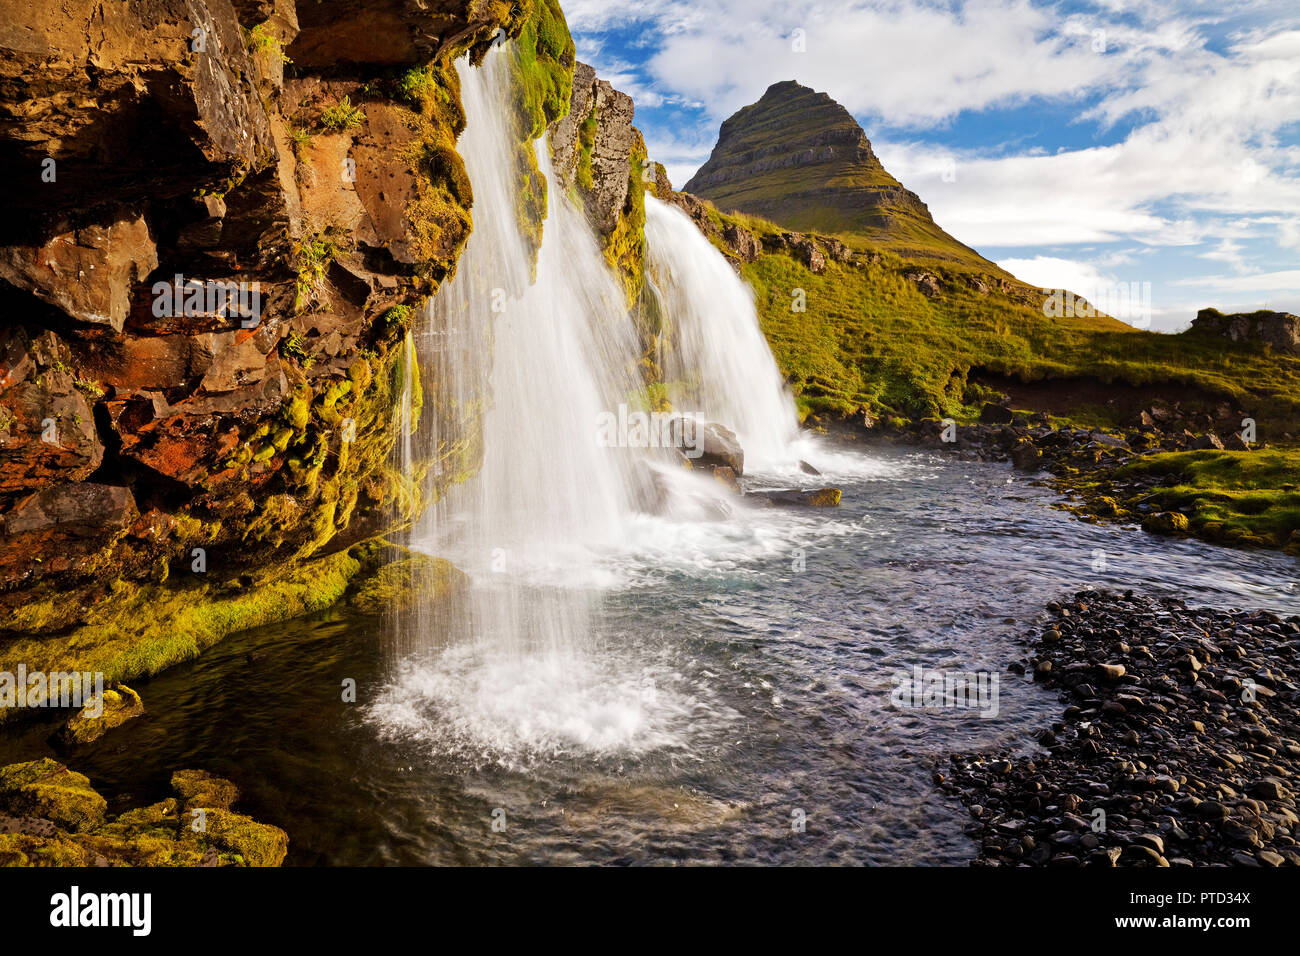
pixel 524 665
pixel 719 366
pixel 519 673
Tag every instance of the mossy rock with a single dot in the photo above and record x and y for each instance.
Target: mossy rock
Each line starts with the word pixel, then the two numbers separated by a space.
pixel 142 629
pixel 825 498
pixel 198 788
pixel 47 789
pixel 403 584
pixel 26 849
pixel 59 821
pixel 255 844
pixel 1106 507
pixel 119 705
pixel 1166 522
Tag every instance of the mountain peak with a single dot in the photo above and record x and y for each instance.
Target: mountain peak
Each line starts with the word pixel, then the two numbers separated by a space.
pixel 800 159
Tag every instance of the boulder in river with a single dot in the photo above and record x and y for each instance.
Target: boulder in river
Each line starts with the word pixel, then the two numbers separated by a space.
pixel 112 709
pixel 1166 522
pixel 796 498
pixel 707 444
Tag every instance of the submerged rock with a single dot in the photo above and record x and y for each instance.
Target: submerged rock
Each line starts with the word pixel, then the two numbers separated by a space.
pixel 97 718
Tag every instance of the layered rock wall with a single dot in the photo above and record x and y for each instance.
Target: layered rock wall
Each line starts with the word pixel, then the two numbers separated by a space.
pixel 224 218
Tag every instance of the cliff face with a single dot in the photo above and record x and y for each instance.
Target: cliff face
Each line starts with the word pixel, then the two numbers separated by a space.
pixel 600 155
pixel 798 158
pixel 223 218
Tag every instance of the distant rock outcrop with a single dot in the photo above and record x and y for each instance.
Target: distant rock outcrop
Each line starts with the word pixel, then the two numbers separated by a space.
pixel 1278 330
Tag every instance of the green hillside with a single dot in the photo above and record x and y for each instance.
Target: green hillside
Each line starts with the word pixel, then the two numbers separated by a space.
pixel 869 339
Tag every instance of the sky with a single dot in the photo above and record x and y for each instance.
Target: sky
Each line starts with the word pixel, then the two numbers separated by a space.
pixel 1149 147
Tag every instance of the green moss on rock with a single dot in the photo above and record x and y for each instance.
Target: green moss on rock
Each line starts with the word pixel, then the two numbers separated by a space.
pixel 47 789
pixel 401 585
pixel 63 830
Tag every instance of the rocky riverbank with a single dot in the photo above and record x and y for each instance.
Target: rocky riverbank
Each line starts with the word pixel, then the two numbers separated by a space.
pixel 1158 473
pixel 1178 744
pixel 51 816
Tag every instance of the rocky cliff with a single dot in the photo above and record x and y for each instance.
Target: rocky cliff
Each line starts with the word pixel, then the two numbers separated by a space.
pixel 224 217
pixel 800 159
pixel 1279 331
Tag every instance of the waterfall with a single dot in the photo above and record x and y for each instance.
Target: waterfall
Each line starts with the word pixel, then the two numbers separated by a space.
pixel 513 667
pixel 518 667
pixel 719 366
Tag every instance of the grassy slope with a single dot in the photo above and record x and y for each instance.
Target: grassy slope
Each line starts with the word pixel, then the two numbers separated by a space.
pixel 870 339
pixel 1245 498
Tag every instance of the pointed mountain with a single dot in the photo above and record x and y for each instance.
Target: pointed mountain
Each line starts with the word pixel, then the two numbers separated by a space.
pixel 800 159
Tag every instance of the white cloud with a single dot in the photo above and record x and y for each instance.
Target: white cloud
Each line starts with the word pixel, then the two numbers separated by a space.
pixel 1049 272
pixel 1285 282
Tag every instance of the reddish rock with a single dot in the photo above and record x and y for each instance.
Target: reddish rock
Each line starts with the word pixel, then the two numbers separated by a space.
pixel 87 273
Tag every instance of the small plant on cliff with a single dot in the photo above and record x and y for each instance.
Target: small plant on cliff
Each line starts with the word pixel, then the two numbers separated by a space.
pixel 397 319
pixel 291 346
pixel 314 258
pixel 342 116
pixel 260 41
pixel 92 390
pixel 414 85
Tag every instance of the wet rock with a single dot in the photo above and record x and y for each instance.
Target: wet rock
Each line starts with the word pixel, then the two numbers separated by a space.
pixel 715 444
pixel 816 498
pixel 117 706
pixel 808 469
pixel 1027 457
pixel 727 478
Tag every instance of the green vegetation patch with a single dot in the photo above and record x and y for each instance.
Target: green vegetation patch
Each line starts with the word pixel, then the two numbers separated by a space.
pixel 1248 498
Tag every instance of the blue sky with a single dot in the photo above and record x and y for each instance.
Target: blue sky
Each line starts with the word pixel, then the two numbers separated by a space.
pixel 1078 144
